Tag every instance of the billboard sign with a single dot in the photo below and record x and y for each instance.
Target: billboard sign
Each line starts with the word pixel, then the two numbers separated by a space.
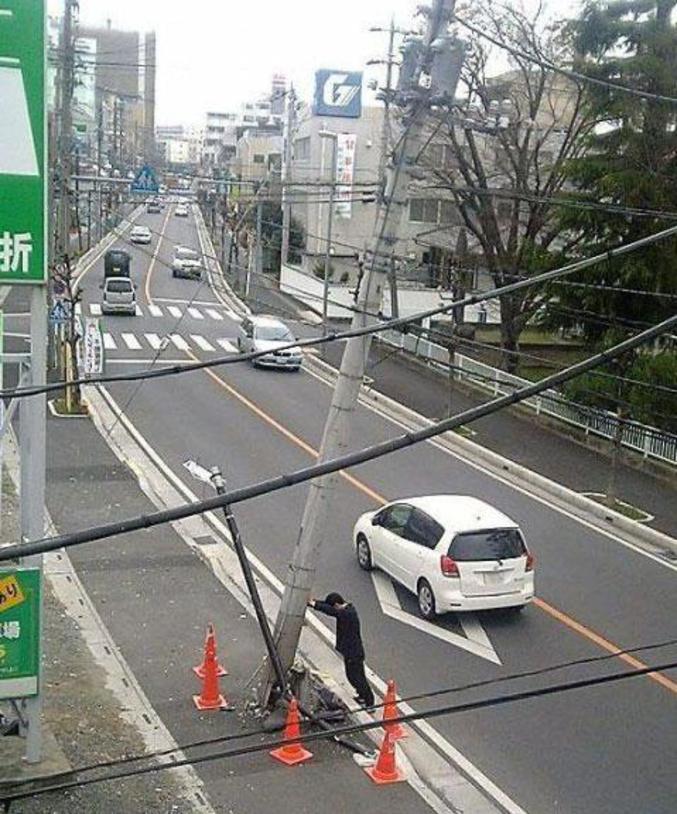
pixel 23 258
pixel 346 144
pixel 338 93
pixel 19 632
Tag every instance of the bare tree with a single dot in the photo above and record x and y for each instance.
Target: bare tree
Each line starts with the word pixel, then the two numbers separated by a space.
pixel 63 277
pixel 508 142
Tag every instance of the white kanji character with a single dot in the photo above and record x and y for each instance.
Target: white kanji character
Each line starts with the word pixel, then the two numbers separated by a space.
pixel 6 246
pixel 21 250
pixel 13 629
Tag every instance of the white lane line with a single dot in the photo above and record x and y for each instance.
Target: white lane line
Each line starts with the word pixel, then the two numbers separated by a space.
pixel 195 313
pixel 139 312
pixel 201 342
pixel 179 342
pixel 233 315
pixel 109 342
pixel 155 310
pixel 78 308
pixel 214 314
pixel 174 311
pixel 131 341
pixel 95 309
pixel 227 345
pixel 154 341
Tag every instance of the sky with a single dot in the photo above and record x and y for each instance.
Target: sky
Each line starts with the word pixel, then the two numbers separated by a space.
pixel 216 54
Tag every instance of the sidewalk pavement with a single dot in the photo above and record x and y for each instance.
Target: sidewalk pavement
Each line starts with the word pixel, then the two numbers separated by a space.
pixel 546 451
pixel 156 598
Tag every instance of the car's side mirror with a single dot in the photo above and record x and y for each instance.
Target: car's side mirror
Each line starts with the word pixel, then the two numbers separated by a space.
pixel 376 520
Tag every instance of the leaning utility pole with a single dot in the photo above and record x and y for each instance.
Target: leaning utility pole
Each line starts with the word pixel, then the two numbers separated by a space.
pixel 67 83
pixel 289 129
pixel 428 76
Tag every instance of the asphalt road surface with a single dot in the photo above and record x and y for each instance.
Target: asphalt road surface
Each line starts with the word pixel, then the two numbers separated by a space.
pixel 605 749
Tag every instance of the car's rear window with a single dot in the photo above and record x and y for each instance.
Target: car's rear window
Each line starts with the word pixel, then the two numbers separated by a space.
pixel 119 286
pixel 493 544
pixel 187 254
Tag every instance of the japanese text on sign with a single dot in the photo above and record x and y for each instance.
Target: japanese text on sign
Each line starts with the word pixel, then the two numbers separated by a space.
pixel 15 252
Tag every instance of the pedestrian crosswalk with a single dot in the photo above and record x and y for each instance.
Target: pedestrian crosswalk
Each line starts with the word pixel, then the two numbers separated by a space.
pixel 129 341
pixel 175 311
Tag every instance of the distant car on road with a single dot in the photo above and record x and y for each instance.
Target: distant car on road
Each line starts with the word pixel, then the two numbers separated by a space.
pixel 153 208
pixel 140 234
pixel 119 296
pixel 181 211
pixel 456 553
pixel 265 333
pixel 186 263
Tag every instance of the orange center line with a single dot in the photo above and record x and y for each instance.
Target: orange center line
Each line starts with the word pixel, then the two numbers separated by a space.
pixel 551 610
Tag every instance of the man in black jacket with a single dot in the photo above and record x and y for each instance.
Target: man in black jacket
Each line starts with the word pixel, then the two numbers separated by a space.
pixel 348 643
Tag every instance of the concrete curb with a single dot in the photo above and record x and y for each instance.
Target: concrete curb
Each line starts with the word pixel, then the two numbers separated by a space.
pixel 600 516
pixel 606 520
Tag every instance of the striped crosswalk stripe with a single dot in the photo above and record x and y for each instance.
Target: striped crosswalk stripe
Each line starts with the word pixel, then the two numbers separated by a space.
pixel 214 314
pixel 195 313
pixel 155 310
pixel 154 341
pixel 174 311
pixel 94 309
pixel 109 342
pixel 179 342
pixel 227 345
pixel 139 312
pixel 201 342
pixel 131 341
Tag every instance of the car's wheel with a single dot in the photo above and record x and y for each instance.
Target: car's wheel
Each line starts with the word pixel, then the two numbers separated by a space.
pixel 363 553
pixel 426 600
pixel 173 272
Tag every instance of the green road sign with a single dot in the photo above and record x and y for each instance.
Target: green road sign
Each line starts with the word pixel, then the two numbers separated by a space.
pixel 19 632
pixel 23 256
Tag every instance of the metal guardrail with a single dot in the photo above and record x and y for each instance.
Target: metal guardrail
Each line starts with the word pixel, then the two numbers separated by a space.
pixel 649 441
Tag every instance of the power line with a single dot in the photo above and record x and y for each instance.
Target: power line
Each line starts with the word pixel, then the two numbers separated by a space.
pixel 347 461
pixel 413 717
pixel 360 331
pixel 573 75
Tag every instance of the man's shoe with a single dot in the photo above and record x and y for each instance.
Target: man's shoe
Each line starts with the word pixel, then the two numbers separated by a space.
pixel 359 699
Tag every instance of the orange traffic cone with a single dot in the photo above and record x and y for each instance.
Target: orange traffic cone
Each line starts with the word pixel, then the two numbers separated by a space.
pixel 391 713
pixel 210 645
pixel 385 770
pixel 292 752
pixel 210 697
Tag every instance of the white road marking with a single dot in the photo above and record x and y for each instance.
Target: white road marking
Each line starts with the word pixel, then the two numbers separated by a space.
pixel 154 341
pixel 95 309
pixel 131 341
pixel 179 342
pixel 214 314
pixel 233 315
pixel 222 572
pixel 139 312
pixel 201 342
pixel 109 342
pixel 174 311
pixel 78 308
pixel 475 641
pixel 155 310
pixel 195 313
pixel 227 345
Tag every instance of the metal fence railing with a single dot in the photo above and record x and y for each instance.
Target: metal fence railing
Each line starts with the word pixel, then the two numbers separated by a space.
pixel 649 441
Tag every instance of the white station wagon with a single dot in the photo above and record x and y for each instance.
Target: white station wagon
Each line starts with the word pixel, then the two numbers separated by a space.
pixel 456 553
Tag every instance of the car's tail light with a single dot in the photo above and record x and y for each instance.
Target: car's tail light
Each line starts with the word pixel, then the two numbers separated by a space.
pixel 530 562
pixel 448 566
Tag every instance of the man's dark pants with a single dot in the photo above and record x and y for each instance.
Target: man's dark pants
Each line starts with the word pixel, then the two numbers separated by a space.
pixel 355 674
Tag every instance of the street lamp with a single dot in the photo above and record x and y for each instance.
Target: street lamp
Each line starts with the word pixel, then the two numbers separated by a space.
pixel 327 134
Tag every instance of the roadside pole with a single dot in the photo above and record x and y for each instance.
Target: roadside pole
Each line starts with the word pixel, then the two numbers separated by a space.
pixel 333 137
pixel 419 77
pixel 290 126
pixel 24 239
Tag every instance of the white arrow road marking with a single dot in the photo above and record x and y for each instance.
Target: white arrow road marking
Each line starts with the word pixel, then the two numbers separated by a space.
pixel 475 640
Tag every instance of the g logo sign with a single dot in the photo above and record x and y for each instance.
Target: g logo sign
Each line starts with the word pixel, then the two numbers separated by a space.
pixel 336 92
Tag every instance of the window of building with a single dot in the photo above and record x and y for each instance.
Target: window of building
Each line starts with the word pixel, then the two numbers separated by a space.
pixel 259 158
pixel 449 214
pixel 302 149
pixel 423 210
